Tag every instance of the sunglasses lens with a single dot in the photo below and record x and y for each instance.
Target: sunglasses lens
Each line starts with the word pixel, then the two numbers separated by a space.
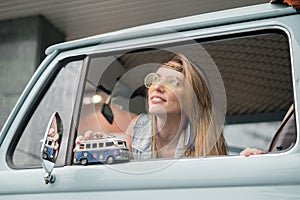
pixel 150 79
pixel 170 82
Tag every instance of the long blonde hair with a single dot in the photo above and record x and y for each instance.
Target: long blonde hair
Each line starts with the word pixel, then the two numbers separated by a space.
pixel 206 129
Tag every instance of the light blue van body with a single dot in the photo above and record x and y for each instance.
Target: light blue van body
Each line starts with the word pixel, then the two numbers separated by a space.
pixel 270 176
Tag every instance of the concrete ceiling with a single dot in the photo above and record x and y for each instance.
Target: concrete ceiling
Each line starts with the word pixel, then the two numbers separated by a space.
pixel 81 18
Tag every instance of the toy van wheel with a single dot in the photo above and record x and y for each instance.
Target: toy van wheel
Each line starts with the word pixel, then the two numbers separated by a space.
pixel 83 161
pixel 110 160
pixel 45 156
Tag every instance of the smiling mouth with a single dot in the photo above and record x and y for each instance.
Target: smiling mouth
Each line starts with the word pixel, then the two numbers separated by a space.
pixel 157 99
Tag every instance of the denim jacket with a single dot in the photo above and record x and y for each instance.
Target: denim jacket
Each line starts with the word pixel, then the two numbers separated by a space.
pixel 141 137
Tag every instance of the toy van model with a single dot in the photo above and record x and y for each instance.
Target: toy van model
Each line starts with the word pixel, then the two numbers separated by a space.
pixel 102 150
pixel 48 150
pixel 97 83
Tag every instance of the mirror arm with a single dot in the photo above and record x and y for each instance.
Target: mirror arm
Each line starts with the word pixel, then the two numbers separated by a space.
pixel 49 178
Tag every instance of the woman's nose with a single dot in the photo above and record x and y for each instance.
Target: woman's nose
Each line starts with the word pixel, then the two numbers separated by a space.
pixel 158 86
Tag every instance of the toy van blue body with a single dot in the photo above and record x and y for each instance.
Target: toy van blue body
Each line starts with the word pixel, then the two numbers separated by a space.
pixel 95 156
pixel 48 151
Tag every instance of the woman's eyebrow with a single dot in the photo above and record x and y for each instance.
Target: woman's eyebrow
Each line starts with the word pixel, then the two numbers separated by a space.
pixel 159 75
pixel 177 77
pixel 181 80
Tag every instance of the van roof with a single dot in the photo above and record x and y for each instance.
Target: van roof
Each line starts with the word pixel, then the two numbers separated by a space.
pixel 229 16
pixel 102 140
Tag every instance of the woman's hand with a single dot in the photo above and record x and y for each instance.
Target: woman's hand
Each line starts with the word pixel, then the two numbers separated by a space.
pixel 251 151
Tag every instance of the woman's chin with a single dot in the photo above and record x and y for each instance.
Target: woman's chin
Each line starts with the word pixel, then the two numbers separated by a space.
pixel 157 109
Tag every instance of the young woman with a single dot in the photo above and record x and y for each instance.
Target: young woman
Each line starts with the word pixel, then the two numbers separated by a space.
pixel 181 121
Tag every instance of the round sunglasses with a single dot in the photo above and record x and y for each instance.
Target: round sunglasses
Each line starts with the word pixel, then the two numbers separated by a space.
pixel 169 81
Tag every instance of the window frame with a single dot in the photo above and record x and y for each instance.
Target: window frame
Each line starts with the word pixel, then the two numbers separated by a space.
pixel 212 37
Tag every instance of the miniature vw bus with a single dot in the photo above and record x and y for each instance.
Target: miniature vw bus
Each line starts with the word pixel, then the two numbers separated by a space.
pixel 106 149
pixel 48 151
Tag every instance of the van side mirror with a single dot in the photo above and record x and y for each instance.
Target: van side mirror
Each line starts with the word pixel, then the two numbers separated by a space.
pixel 50 146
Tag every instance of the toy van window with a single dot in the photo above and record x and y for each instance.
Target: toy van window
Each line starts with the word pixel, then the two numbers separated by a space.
pixel 59 97
pixel 94 145
pixel 109 144
pixel 100 145
pixel 256 72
